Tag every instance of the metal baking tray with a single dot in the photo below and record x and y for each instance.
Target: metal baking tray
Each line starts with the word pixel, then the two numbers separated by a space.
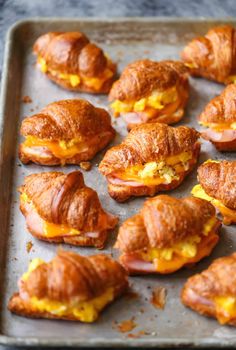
pixel 124 40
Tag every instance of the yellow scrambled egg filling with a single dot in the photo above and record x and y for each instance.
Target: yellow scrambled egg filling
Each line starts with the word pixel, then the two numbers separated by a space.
pixel 219 126
pixel 157 100
pixel 86 311
pixel 153 173
pixel 187 248
pixel 225 308
pixel 75 79
pixel 51 230
pixel 60 149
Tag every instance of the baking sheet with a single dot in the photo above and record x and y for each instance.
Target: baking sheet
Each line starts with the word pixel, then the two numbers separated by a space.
pixel 124 40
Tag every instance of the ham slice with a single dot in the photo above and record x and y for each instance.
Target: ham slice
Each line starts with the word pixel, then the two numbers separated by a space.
pixel 38 151
pixel 135 117
pixel 195 298
pixel 116 181
pixel 135 264
pixel 227 135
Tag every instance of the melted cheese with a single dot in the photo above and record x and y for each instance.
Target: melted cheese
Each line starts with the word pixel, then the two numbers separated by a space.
pixel 75 79
pixel 60 149
pixel 156 101
pixel 191 65
pixel 154 173
pixel 225 308
pixel 219 126
pixel 231 79
pixel 229 214
pixel 86 311
pixel 51 230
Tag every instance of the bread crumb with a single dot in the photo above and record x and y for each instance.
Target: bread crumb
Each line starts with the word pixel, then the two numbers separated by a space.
pixel 26 99
pixel 126 326
pixel 29 246
pixel 158 298
pixel 85 166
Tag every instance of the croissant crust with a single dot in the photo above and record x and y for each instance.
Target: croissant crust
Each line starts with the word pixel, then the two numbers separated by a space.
pixel 164 221
pixel 72 53
pixel 219 181
pixel 69 277
pixel 213 56
pixel 141 77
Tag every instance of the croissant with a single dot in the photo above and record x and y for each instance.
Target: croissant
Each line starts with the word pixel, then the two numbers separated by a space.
pixel 153 157
pixel 70 287
pixel 167 234
pixel 218 186
pixel 73 62
pixel 212 292
pixel 59 208
pixel 149 91
pixel 220 117
pixel 65 132
pixel 213 56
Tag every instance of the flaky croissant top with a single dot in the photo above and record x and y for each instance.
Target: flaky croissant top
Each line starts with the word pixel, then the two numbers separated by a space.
pixel 218 280
pixel 213 56
pixel 219 181
pixel 146 143
pixel 141 77
pixel 163 221
pixel 221 109
pixel 65 199
pixel 71 276
pixel 66 120
pixel 71 53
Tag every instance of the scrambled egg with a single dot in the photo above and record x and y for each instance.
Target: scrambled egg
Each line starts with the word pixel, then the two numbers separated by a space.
pixel 86 311
pixel 60 149
pixel 157 100
pixel 225 308
pixel 51 230
pixel 153 173
pixel 75 79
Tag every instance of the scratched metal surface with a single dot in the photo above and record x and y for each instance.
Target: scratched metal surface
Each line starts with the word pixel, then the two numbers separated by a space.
pixel 124 41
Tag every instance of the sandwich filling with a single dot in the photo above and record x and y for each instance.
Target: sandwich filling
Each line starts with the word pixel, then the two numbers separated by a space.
pixel 156 104
pixel 84 311
pixel 154 173
pixel 75 80
pixel 228 214
pixel 225 308
pixel 220 132
pixel 170 259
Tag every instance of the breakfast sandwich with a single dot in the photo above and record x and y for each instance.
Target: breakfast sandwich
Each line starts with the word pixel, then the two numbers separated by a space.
pixel 153 157
pixel 73 62
pixel 167 234
pixel 149 91
pixel 60 208
pixel 217 184
pixel 69 287
pixel 65 132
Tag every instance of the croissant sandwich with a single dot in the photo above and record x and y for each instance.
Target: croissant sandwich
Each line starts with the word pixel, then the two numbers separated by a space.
pixel 153 157
pixel 73 62
pixel 213 292
pixel 218 186
pixel 167 234
pixel 213 56
pixel 59 207
pixel 220 117
pixel 149 91
pixel 70 287
pixel 65 132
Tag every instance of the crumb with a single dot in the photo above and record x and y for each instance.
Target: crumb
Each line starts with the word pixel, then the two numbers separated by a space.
pixel 158 298
pixel 31 109
pixel 141 310
pixel 19 164
pixel 26 99
pixel 138 334
pixel 85 165
pixel 126 326
pixel 29 246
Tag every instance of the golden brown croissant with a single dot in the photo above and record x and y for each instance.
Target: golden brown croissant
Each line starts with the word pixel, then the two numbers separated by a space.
pixel 59 207
pixel 167 234
pixel 73 62
pixel 65 132
pixel 218 185
pixel 149 91
pixel 219 116
pixel 70 287
pixel 153 157
pixel 212 292
pixel 213 56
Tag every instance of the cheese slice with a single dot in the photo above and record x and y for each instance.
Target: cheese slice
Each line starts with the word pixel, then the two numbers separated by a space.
pixel 218 127
pixel 86 311
pixel 225 308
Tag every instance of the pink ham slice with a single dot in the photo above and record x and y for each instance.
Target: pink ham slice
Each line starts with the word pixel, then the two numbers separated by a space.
pixel 116 181
pixel 38 151
pixel 135 117
pixel 223 136
pixel 133 264
pixel 198 299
